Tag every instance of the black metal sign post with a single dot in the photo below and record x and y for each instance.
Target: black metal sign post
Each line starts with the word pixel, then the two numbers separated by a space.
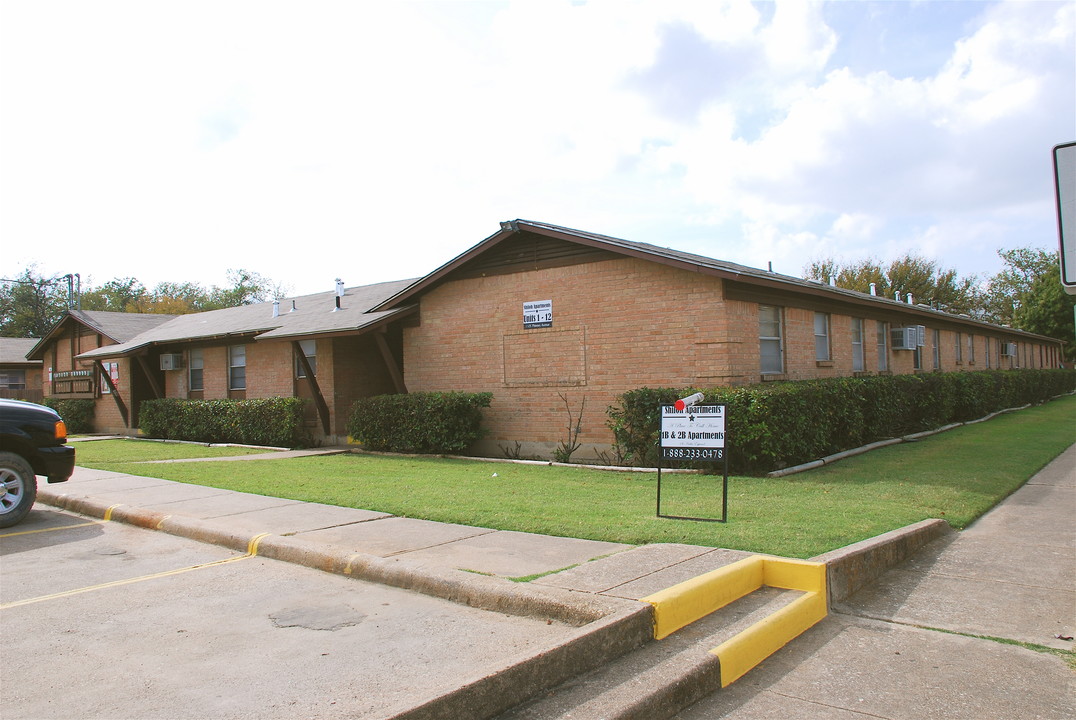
pixel 694 432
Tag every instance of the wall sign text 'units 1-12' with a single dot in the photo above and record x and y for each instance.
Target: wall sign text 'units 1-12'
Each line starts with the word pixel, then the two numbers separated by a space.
pixel 695 433
pixel 537 314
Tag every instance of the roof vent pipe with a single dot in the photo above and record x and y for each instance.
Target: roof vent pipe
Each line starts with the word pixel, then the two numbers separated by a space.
pixel 293 308
pixel 910 300
pixel 339 289
pixel 874 289
pixel 896 295
pixel 276 308
pixel 337 308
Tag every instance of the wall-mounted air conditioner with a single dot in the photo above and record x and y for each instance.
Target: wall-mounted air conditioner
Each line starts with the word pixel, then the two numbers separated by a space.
pixel 906 338
pixel 171 361
pixel 1008 349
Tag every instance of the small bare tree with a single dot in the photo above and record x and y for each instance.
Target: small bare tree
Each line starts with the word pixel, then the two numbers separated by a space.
pixel 563 452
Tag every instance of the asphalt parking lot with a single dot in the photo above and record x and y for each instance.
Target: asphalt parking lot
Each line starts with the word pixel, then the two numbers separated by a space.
pixel 100 619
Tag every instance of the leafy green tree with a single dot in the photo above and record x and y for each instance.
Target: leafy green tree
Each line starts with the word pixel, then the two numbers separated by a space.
pixel 117 295
pixel 1027 294
pixel 31 304
pixel 172 298
pixel 246 288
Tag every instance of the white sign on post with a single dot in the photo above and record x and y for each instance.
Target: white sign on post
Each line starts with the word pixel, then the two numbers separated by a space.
pixel 1065 177
pixel 695 433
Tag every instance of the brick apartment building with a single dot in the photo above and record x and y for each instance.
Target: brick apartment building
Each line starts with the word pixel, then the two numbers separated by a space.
pixel 553 321
pixel 624 315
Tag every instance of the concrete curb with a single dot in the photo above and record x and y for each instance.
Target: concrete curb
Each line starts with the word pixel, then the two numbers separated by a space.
pixel 474 590
pixel 851 568
pixel 603 642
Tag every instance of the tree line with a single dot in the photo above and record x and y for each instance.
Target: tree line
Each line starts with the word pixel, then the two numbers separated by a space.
pixel 32 303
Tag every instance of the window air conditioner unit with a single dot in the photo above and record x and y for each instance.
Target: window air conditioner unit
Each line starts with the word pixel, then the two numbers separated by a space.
pixel 171 361
pixel 1008 349
pixel 904 338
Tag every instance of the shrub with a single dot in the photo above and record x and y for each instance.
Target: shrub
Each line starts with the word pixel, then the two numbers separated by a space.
pixel 432 422
pixel 774 425
pixel 274 422
pixel 77 413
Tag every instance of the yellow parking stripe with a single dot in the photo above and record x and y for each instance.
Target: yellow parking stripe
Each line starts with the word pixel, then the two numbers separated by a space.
pixel 51 529
pixel 252 546
pixel 252 551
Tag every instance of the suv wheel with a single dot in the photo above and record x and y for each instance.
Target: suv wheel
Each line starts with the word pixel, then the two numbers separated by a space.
pixel 18 488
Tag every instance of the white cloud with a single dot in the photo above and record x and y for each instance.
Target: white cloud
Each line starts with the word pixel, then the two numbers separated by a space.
pixel 378 140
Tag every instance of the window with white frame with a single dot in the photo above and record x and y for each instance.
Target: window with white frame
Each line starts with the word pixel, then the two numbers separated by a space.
pixel 959 349
pixel 971 349
pixel 195 372
pixel 936 348
pixel 310 352
pixel 771 351
pixel 237 367
pixel 821 336
pixel 857 344
pixel 986 345
pixel 883 346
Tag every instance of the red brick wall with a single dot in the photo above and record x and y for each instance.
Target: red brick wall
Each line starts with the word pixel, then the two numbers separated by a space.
pixel 618 324
pixel 357 370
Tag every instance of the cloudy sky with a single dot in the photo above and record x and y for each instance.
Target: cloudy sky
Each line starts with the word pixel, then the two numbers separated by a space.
pixel 309 140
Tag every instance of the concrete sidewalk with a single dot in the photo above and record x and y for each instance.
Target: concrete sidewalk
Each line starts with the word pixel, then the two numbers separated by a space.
pixel 225 516
pixel 1011 575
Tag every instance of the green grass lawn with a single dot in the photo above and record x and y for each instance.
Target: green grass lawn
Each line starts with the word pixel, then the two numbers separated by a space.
pixel 957 475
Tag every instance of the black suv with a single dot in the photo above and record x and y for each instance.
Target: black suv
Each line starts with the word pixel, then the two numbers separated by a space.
pixel 32 441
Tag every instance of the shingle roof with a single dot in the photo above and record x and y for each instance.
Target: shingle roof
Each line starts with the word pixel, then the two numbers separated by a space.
pixel 120 326
pixel 116 326
pixel 13 351
pixel 313 315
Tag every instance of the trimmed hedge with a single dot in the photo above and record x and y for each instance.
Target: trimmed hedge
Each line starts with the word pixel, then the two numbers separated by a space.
pixel 77 413
pixel 776 425
pixel 430 422
pixel 276 422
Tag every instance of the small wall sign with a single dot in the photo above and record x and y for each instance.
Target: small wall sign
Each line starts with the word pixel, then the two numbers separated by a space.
pixel 537 314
